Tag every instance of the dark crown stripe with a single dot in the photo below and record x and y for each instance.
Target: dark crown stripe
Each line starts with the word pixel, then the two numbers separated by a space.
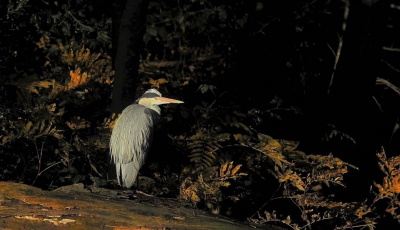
pixel 150 95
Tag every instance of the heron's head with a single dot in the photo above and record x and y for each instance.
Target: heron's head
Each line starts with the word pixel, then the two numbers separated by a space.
pixel 152 98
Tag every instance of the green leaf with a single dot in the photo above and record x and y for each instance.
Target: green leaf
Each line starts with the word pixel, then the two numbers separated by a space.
pixel 181 19
pixel 195 159
pixel 203 88
pixel 241 22
pixel 73 170
pixel 222 13
pixel 152 31
pixel 154 4
pixel 76 179
pixel 195 155
pixel 64 170
pixel 162 32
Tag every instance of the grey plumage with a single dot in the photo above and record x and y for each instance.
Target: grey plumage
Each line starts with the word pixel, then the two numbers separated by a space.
pixel 133 133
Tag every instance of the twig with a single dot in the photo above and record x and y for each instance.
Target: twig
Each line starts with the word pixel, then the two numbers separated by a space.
pixel 162 63
pixel 246 146
pixel 13 11
pixel 49 167
pixel 39 155
pixel 390 66
pixel 369 225
pixel 331 49
pixel 381 81
pixel 80 23
pixel 145 194
pixel 279 108
pixel 184 15
pixel 40 161
pixel 23 172
pixel 340 45
pixel 395 128
pixel 267 201
pixel 391 49
pixel 263 25
pixel 309 224
pixel 377 103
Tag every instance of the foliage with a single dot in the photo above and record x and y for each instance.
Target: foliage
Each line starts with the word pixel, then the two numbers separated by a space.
pixel 309 182
pixel 203 147
pixel 46 121
pixel 334 132
pixel 390 188
pixel 55 126
pixel 304 179
pixel 216 131
pixel 317 206
pixel 48 137
pixel 189 41
pixel 209 190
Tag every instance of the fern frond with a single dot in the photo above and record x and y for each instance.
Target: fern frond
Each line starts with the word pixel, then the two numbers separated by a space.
pixel 236 169
pixel 42 128
pixel 203 147
pixel 223 136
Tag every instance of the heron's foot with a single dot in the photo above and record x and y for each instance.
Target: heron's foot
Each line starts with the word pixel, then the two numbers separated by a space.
pixel 126 194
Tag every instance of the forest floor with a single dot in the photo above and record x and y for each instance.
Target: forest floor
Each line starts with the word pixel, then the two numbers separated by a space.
pixel 79 207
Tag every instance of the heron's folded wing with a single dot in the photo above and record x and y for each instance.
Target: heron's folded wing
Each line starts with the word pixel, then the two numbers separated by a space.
pixel 132 135
pixel 131 140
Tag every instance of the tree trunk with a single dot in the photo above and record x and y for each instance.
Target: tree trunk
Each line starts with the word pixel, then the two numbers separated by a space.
pixel 131 28
pixel 128 30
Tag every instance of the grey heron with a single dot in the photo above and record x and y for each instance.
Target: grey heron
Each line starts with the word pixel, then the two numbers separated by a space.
pixel 133 133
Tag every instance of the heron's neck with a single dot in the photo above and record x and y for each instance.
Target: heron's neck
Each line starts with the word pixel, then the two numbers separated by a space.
pixel 156 108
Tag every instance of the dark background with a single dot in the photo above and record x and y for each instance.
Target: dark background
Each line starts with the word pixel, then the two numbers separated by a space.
pixel 273 61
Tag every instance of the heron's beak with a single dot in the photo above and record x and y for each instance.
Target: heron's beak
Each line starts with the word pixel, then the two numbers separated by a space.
pixel 165 100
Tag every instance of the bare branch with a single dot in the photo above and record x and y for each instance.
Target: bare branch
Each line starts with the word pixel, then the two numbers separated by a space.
pixel 167 64
pixel 391 49
pixel 381 81
pixel 390 66
pixel 340 45
pixel 377 103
